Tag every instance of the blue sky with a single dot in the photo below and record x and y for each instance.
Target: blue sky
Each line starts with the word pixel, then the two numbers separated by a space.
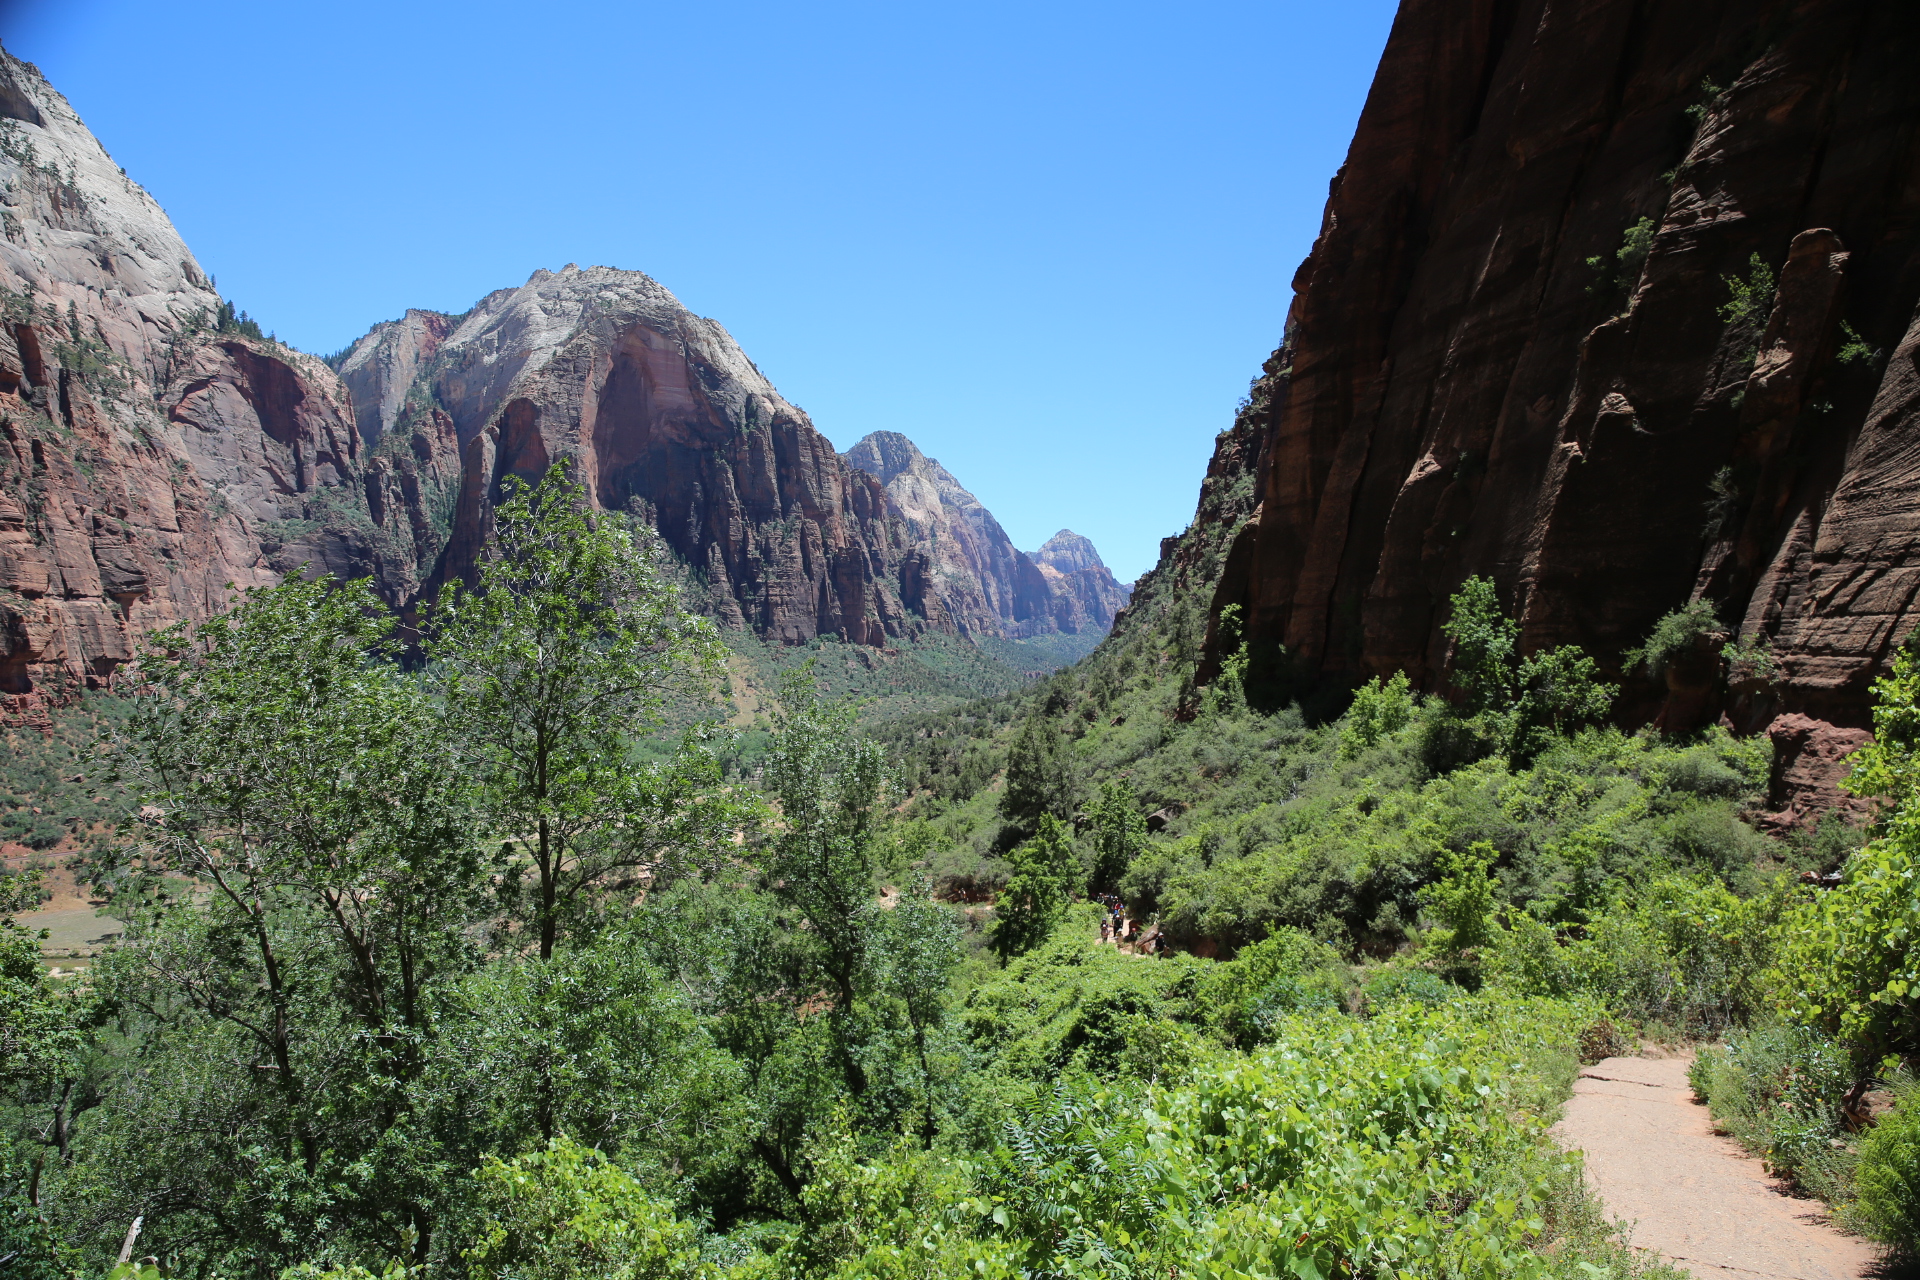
pixel 1049 241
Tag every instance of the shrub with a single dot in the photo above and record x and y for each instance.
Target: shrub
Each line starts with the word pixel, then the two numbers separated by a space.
pixel 569 1212
pixel 1635 242
pixel 1778 1090
pixel 1673 639
pixel 1380 709
pixel 1749 300
pixel 1887 1179
pixel 1388 986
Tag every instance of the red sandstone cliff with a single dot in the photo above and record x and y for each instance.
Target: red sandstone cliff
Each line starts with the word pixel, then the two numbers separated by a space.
pixel 1478 380
pixel 148 459
pixel 667 418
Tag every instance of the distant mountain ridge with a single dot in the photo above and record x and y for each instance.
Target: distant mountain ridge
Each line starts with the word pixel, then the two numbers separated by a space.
pixel 158 452
pixel 1064 587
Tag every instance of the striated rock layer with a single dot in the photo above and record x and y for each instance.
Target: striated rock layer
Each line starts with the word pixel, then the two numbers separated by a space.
pixel 666 418
pixel 152 458
pixel 1615 303
pixel 988 584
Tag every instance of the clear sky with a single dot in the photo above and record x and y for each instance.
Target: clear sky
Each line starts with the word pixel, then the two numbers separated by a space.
pixel 1049 241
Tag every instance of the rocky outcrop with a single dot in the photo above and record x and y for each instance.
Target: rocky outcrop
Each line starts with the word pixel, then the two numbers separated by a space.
pixel 991 587
pixel 1615 303
pixel 153 456
pixel 663 416
pixel 1085 592
pixel 382 367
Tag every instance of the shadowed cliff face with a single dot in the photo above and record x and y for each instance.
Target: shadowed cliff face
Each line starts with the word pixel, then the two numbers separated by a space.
pixel 988 584
pixel 149 463
pixel 1518 348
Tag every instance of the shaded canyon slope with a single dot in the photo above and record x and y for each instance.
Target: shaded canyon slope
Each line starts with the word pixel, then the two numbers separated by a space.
pixel 1615 303
pixel 151 457
pixel 1064 587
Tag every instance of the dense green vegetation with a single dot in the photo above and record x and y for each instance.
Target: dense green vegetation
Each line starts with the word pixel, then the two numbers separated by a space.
pixel 514 965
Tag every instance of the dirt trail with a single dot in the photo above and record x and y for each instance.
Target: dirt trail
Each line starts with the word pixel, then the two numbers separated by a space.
pixel 1686 1192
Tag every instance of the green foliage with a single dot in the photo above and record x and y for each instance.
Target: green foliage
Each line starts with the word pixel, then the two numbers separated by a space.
pixel 1040 779
pixel 1381 708
pixel 1778 1089
pixel 299 884
pixel 1709 92
pixel 569 649
pixel 1750 660
pixel 1520 705
pixel 1118 833
pixel 1462 901
pixel 1045 875
pixel 227 320
pixel 1887 1180
pixel 1673 639
pixel 1750 300
pixel 1483 657
pixel 1619 275
pixel 568 1213
pixel 1851 962
pixel 1681 951
pixel 1856 349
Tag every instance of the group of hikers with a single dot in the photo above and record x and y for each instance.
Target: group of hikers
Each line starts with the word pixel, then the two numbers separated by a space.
pixel 1117 928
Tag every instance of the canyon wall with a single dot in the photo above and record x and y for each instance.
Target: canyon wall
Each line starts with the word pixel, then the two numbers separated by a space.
pixel 1614 302
pixel 988 583
pixel 153 457
pixel 664 417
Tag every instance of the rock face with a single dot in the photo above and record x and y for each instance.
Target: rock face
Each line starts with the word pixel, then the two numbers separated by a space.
pixel 1582 319
pixel 152 458
pixel 665 417
pixel 991 588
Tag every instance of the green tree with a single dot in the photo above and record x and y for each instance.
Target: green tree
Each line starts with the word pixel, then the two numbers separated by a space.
pixel 1035 899
pixel 1381 708
pixel 569 1213
pixel 1484 643
pixel 829 784
pixel 1039 776
pixel 304 790
pixel 1118 831
pixel 567 652
pixel 1850 958
pixel 1463 904
pixel 921 947
pixel 1518 704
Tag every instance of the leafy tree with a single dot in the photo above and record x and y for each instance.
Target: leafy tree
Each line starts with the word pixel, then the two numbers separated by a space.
pixel 305 788
pixel 1483 655
pixel 567 652
pixel 1850 962
pixel 569 1213
pixel 829 784
pixel 1463 902
pixel 1519 704
pixel 1118 832
pixel 921 946
pixel 1045 872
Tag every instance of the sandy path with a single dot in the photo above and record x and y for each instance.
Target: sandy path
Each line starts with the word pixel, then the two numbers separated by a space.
pixel 1686 1192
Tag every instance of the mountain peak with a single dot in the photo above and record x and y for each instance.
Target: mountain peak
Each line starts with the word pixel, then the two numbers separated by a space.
pixel 1069 552
pixel 885 454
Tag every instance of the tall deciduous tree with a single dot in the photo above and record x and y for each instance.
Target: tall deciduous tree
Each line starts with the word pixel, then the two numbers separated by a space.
pixel 300 786
pixel 568 651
